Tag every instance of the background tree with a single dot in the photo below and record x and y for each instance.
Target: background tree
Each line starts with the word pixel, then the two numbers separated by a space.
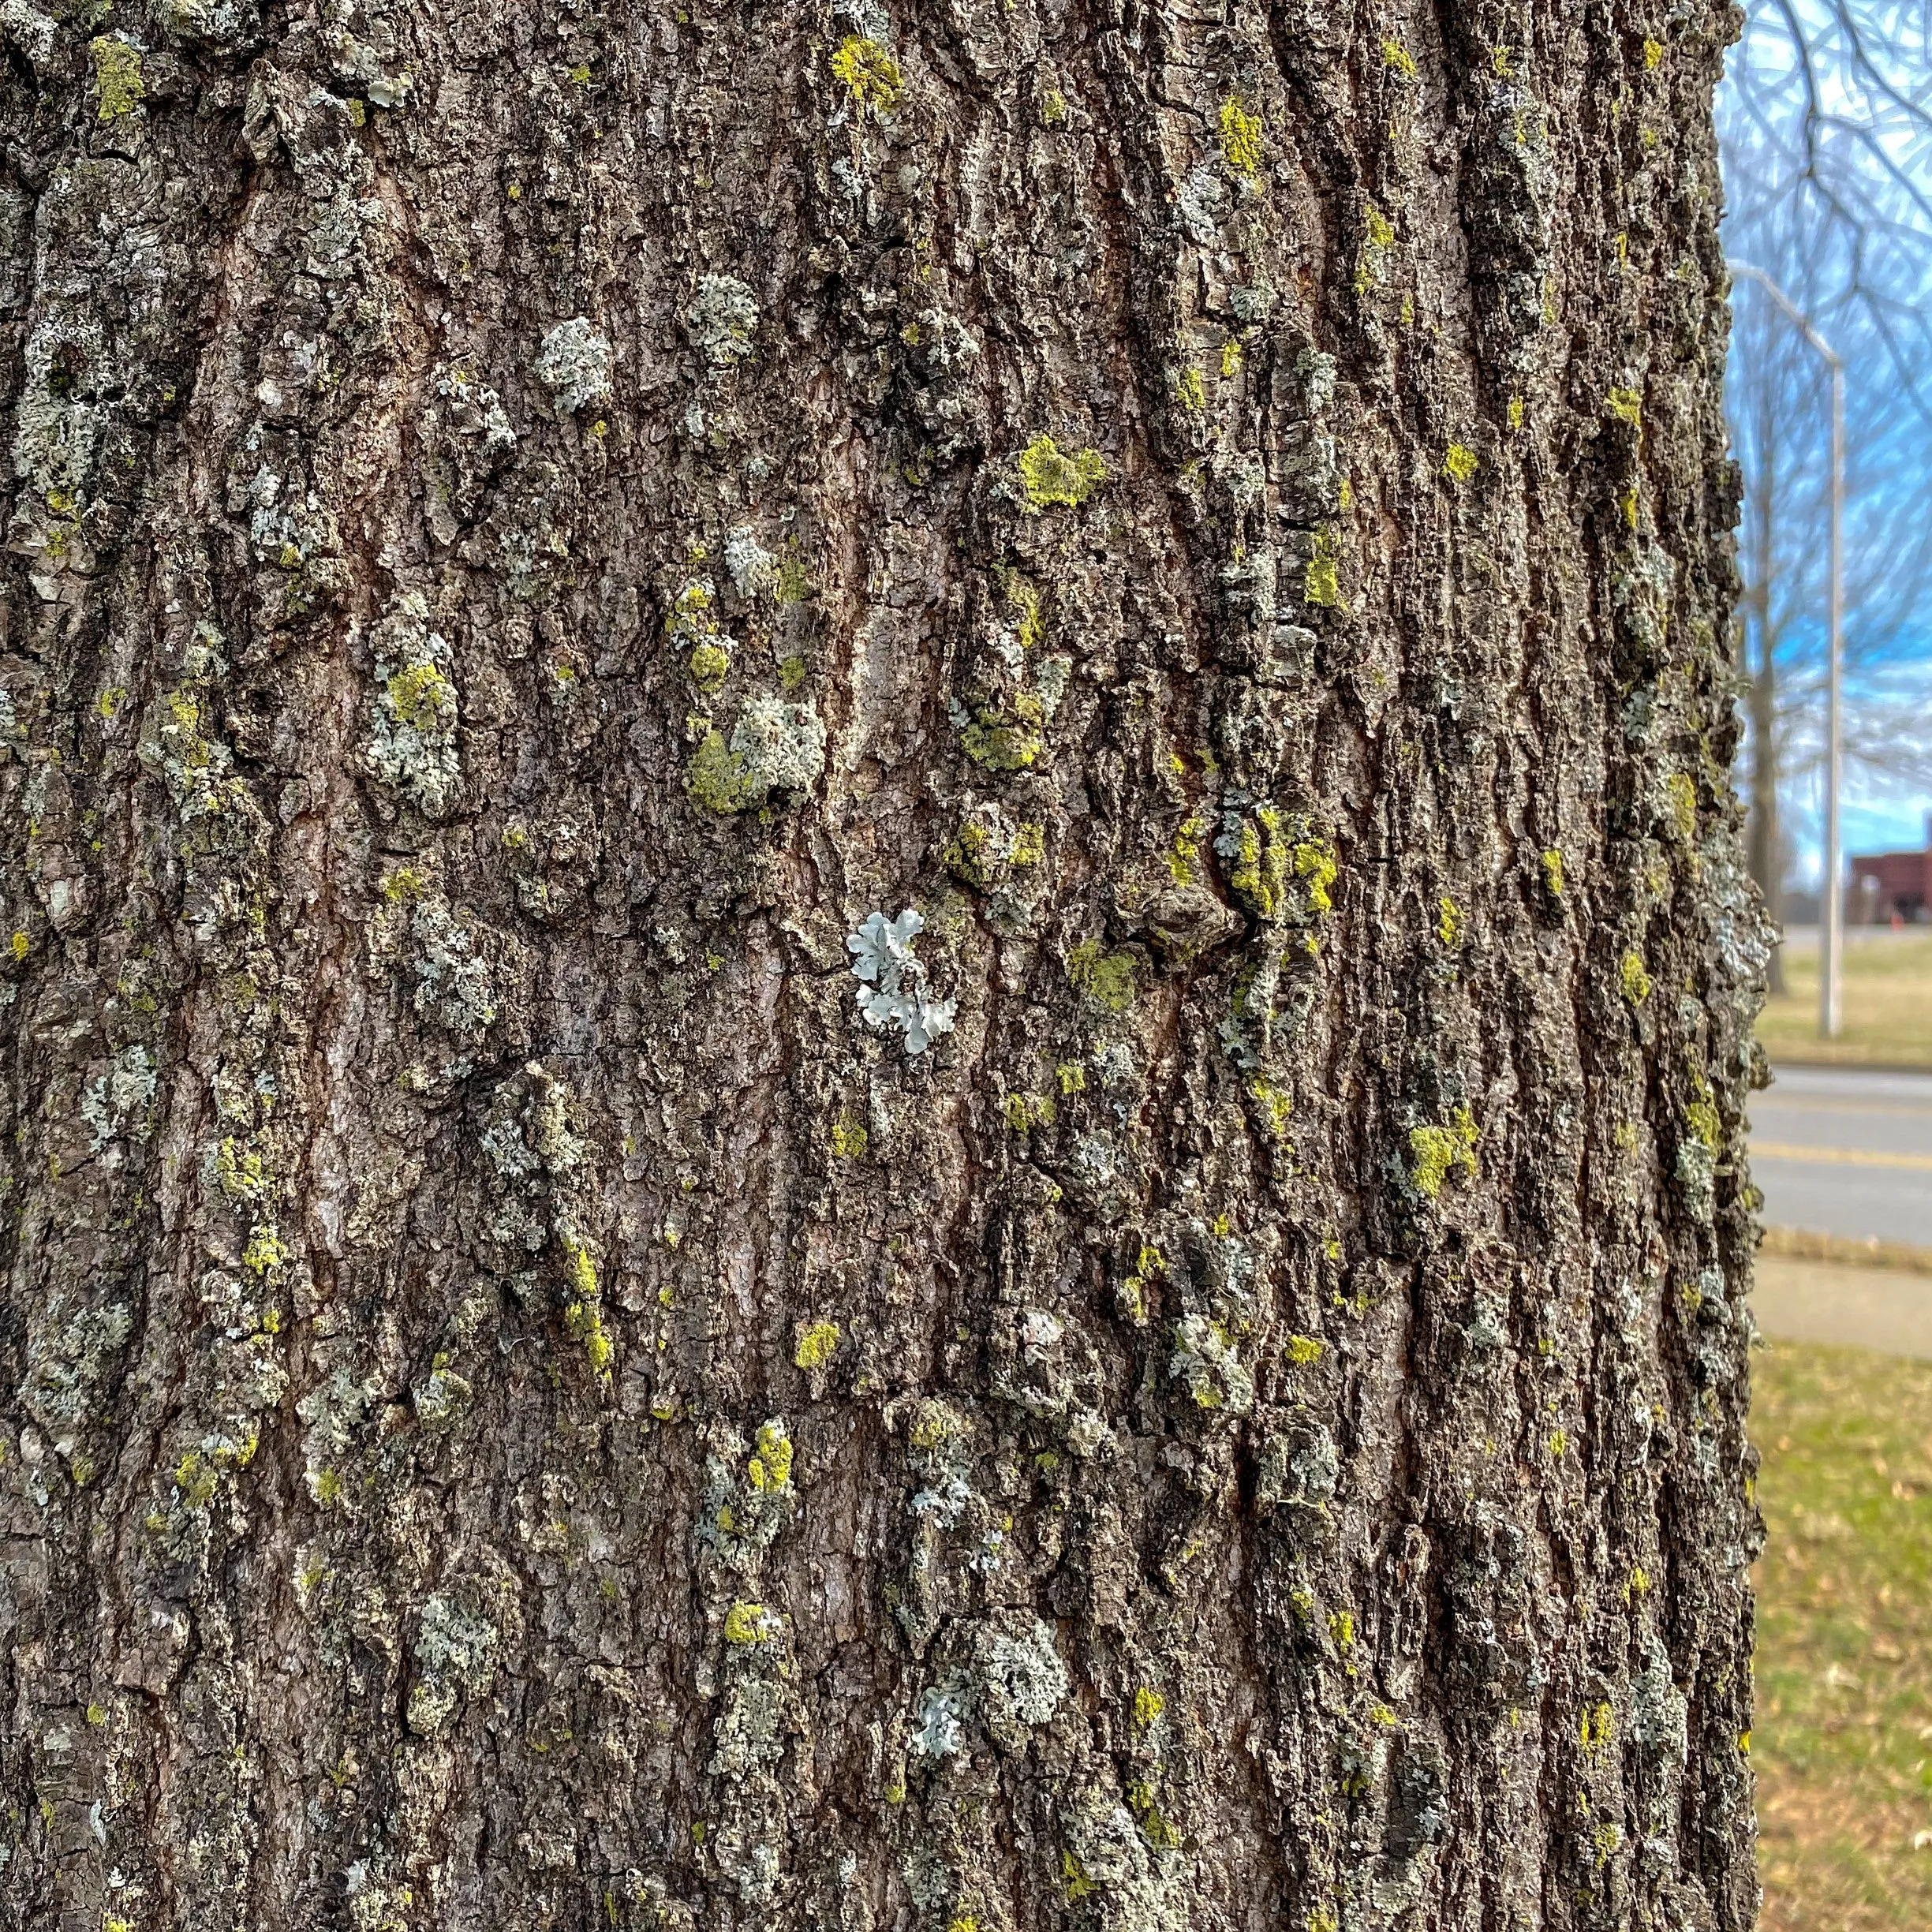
pixel 567 1363
pixel 1825 118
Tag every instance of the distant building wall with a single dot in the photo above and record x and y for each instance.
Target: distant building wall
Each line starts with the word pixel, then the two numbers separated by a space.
pixel 1888 882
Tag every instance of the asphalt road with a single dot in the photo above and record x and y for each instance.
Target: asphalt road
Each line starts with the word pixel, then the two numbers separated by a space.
pixel 1843 1152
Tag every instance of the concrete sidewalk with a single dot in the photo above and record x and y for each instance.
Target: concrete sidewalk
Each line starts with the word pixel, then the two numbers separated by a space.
pixel 1883 1309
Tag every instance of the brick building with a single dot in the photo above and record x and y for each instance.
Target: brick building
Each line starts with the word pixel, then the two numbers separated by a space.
pixel 1889 883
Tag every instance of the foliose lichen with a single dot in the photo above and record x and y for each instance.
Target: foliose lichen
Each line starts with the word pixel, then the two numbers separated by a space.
pixel 1049 474
pixel 892 992
pixel 574 364
pixel 720 320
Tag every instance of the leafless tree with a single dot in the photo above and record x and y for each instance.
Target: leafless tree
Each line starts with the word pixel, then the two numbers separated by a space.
pixel 1825 119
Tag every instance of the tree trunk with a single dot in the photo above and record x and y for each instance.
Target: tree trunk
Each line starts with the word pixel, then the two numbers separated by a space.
pixel 1207 1388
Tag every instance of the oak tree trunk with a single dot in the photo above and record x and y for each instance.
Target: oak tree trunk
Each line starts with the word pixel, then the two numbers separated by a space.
pixel 565 1364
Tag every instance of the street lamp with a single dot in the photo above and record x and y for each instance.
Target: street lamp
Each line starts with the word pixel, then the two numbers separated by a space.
pixel 1832 948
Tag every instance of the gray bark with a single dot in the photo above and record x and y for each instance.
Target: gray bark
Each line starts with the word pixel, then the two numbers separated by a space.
pixel 523 1407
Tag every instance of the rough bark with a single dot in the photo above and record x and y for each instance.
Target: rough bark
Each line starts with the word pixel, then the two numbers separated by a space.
pixel 522 1407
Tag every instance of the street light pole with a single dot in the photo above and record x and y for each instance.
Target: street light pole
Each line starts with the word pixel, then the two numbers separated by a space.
pixel 1831 963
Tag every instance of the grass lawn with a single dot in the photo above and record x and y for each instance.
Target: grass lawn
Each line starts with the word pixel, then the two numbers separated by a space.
pixel 1842 1738
pixel 1887 1005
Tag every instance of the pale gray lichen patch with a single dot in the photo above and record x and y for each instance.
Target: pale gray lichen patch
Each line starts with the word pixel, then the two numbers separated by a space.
pixel 413 749
pixel 118 1102
pixel 457 1651
pixel 721 318
pixel 574 364
pixel 1205 1359
pixel 893 990
pixel 939 1731
pixel 753 569
pixel 783 745
pixel 1024 1681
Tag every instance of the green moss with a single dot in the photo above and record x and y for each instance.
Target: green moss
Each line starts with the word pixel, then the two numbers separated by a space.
pixel 869 73
pixel 1108 979
pixel 1636 977
pixel 1050 475
pixel 717 778
pixel 1241 139
pixel 117 76
pixel 817 1343
pixel 1435 1153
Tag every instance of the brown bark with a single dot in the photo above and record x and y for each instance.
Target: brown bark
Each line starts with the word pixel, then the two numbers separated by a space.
pixel 522 1408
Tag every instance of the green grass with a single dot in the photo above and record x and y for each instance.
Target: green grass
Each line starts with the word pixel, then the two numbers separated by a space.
pixel 1842 1737
pixel 1887 1005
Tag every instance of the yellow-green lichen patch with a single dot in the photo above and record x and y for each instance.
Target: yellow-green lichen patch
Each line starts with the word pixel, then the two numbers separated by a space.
pixel 1627 406
pixel 1276 1104
pixel 1448 922
pixel 1147 1705
pixel 1437 1152
pixel 1241 139
pixel 710 664
pixel 770 1467
pixel 1108 979
pixel 746 1623
pixel 266 1250
pixel 1184 855
pixel 868 73
pixel 818 1342
pixel 717 778
pixel 1303 1350
pixel 1552 871
pixel 1598 1726
pixel 583 1309
pixel 1190 390
pixel 1322 586
pixel 419 696
pixel 1682 791
pixel 117 76
pixel 1636 977
pixel 1000 744
pixel 1460 463
pixel 1049 475
pixel 1397 58
pixel 1149 1266
pixel 849 1138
